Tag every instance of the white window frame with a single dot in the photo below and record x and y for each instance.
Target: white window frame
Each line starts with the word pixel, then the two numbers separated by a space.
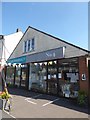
pixel 25 50
pixel 31 47
pixel 34 44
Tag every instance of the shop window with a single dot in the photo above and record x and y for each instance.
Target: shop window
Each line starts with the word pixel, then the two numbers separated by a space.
pixel 23 81
pixel 17 76
pixel 37 80
pixel 10 75
pixel 69 77
pixel 52 77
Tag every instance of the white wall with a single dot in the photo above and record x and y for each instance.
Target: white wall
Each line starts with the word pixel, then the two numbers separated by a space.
pixel 2 53
pixel 10 42
pixel 1 45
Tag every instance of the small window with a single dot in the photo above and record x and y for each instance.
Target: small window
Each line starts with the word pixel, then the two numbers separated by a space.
pixel 25 46
pixel 33 44
pixel 29 45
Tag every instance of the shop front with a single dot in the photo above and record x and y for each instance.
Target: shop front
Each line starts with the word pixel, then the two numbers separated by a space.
pixel 58 77
pixel 44 63
pixel 47 73
pixel 16 73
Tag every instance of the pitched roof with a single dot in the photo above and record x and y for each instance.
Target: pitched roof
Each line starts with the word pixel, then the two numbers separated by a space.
pixel 59 39
pixel 49 36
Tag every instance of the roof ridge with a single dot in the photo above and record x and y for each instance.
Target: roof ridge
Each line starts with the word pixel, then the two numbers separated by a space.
pixel 50 36
pixel 59 39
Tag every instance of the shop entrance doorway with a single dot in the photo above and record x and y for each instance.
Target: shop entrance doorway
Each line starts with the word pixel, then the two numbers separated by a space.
pixel 23 76
pixel 52 77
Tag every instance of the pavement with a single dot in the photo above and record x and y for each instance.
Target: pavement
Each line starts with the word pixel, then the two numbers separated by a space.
pixel 27 104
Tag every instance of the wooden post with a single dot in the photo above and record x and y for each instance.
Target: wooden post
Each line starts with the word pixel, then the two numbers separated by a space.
pixel 14 75
pixel 47 78
pixel 20 76
pixel 27 76
pixel 5 71
pixel 57 65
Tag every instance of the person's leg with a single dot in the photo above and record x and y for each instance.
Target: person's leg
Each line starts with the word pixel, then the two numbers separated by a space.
pixel 5 104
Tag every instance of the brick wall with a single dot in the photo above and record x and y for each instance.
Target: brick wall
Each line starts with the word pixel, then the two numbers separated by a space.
pixel 83 69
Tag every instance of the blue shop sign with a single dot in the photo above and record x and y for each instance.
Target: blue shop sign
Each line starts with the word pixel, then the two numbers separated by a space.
pixel 17 60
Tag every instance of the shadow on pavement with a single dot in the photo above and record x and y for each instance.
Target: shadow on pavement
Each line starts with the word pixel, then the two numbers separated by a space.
pixel 63 102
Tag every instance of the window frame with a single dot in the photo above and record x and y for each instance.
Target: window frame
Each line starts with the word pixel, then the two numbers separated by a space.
pixel 29 45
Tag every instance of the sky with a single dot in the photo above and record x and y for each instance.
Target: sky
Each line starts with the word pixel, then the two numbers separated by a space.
pixel 65 20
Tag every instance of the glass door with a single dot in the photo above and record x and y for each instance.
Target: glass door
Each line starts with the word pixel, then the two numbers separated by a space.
pixel 52 77
pixel 17 76
pixel 24 71
pixel 10 75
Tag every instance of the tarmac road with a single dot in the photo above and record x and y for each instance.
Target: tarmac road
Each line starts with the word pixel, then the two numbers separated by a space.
pixel 28 104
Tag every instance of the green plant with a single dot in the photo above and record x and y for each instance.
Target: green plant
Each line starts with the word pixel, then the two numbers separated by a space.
pixel 81 98
pixel 10 85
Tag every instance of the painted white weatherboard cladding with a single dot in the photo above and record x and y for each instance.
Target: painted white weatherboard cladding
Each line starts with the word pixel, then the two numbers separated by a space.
pixel 1 48
pixel 45 42
pixel 11 41
pixel 2 52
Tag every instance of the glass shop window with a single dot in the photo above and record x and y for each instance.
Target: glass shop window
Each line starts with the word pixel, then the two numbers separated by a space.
pixel 38 76
pixel 69 77
pixel 10 75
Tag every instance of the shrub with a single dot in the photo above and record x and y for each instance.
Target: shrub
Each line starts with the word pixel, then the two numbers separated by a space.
pixel 81 98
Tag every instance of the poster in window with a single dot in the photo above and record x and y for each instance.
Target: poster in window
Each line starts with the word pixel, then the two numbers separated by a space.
pixel 49 76
pixel 59 75
pixel 54 76
pixel 44 77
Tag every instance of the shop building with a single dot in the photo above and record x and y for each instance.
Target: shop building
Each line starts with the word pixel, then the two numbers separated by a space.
pixel 44 63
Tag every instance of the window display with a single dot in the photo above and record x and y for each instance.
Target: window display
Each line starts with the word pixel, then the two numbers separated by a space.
pixel 38 77
pixel 17 76
pixel 43 77
pixel 10 75
pixel 23 80
pixel 52 78
pixel 68 79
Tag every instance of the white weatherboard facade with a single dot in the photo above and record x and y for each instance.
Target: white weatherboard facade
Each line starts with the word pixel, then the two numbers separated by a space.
pixel 8 44
pixel 11 41
pixel 1 51
pixel 44 42
pixel 1 47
